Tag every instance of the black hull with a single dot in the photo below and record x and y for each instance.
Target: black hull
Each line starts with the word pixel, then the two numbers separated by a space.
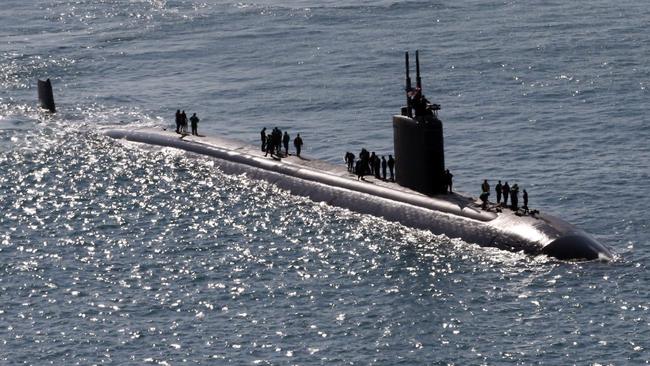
pixel 455 216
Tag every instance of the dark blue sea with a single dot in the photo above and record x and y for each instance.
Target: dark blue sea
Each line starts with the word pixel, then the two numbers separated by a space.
pixel 114 253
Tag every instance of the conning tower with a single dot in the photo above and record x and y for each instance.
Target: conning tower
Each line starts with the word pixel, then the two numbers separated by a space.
pixel 418 140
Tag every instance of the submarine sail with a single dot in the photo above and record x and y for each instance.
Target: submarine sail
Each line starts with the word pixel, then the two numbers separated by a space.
pixel 418 140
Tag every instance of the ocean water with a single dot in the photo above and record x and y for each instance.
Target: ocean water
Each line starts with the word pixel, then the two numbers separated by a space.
pixel 118 253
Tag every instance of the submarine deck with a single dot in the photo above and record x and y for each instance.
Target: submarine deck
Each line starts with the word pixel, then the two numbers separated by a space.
pixel 307 168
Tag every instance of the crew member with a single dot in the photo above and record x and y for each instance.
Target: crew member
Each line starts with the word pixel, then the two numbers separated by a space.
pixel 506 192
pixel 297 142
pixel 269 146
pixel 485 187
pixel 285 142
pixel 448 181
pixel 364 156
pixel 276 141
pixel 384 165
pixel 195 123
pixel 421 106
pixel 183 123
pixel 179 121
pixel 525 196
pixel 263 138
pixel 360 169
pixel 484 199
pixel 376 166
pixel 349 159
pixel 498 189
pixel 514 197
pixel 391 167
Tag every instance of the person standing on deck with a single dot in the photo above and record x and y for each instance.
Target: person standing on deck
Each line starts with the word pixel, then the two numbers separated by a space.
pixel 449 181
pixel 263 138
pixel 183 123
pixel 285 142
pixel 364 157
pixel 179 121
pixel 195 123
pixel 498 189
pixel 391 167
pixel 525 206
pixel 376 166
pixel 349 159
pixel 297 143
pixel 514 197
pixel 485 187
pixel 384 165
pixel 506 193
pixel 276 141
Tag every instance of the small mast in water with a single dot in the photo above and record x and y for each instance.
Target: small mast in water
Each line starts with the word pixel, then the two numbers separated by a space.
pixel 45 95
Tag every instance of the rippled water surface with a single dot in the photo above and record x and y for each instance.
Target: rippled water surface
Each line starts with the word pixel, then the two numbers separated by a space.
pixel 118 253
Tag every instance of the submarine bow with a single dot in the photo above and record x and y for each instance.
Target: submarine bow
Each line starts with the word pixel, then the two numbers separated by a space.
pixel 576 246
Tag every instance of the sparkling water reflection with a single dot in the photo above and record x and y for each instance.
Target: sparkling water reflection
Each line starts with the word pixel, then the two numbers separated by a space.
pixel 113 249
pixel 115 253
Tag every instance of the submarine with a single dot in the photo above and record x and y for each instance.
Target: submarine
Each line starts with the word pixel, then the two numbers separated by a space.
pixel 417 198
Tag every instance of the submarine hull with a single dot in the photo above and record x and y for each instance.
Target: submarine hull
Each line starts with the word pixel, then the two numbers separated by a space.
pixel 453 215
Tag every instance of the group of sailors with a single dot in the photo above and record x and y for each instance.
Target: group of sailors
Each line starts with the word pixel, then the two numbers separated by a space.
pixel 273 142
pixel 181 123
pixel 420 104
pixel 505 191
pixel 370 164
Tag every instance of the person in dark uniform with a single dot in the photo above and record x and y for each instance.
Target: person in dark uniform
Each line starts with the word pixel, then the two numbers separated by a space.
pixel 506 191
pixel 269 146
pixel 391 167
pixel 498 189
pixel 349 159
pixel 377 166
pixel 297 142
pixel 448 181
pixel 195 124
pixel 484 199
pixel 421 106
pixel 525 196
pixel 183 123
pixel 485 187
pixel 179 121
pixel 364 157
pixel 384 165
pixel 514 197
pixel 360 170
pixel 276 138
pixel 285 142
pixel 263 138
